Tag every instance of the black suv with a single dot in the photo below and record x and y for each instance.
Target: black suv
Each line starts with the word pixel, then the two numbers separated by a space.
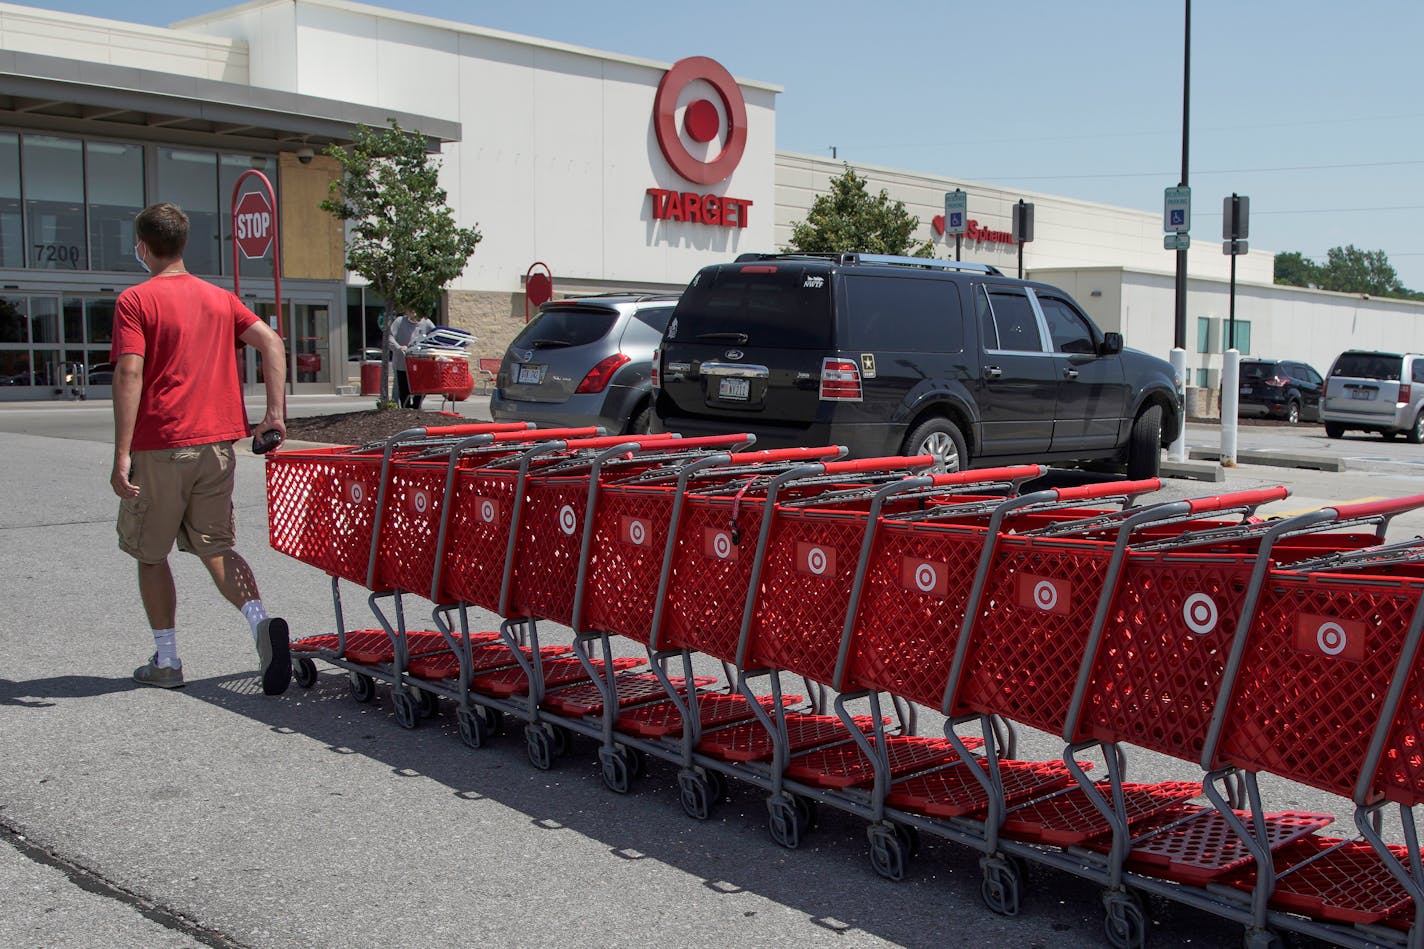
pixel 889 355
pixel 1280 388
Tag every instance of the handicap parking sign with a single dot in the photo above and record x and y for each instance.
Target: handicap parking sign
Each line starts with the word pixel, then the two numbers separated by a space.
pixel 956 219
pixel 1179 217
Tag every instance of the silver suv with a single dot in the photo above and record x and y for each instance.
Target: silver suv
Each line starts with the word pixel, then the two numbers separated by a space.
pixel 584 361
pixel 1375 392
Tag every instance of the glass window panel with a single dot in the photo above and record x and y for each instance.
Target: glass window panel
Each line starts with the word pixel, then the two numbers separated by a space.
pixel 13 320
pixel 1017 325
pixel 1067 327
pixel 14 367
pixel 101 321
pixel 115 175
pixel 230 169
pixel 12 241
pixel 48 367
pixel 54 202
pixel 1243 337
pixel 920 315
pixel 189 179
pixel 73 320
pixel 44 320
pixel 1203 334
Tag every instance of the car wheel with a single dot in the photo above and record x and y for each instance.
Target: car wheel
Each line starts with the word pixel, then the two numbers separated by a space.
pixel 642 422
pixel 1334 430
pixel 1144 445
pixel 1293 412
pixel 1416 432
pixel 939 437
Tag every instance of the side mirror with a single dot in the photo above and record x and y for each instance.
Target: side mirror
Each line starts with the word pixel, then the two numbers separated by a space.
pixel 1112 344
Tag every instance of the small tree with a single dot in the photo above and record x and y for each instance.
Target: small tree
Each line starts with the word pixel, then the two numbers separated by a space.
pixel 850 219
pixel 1294 269
pixel 403 236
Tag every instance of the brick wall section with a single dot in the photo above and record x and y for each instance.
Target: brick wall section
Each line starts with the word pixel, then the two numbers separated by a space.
pixel 494 317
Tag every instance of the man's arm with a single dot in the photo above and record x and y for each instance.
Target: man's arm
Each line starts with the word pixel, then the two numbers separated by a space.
pixel 265 340
pixel 127 387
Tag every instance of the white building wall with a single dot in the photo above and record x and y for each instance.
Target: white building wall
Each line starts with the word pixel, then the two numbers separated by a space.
pixel 557 149
pixel 1067 232
pixel 115 43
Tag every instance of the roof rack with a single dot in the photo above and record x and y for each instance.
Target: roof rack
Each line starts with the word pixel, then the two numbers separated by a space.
pixel 637 295
pixel 881 260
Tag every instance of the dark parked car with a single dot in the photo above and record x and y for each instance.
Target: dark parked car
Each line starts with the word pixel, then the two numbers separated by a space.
pixel 1375 392
pixel 584 361
pixel 889 355
pixel 1280 388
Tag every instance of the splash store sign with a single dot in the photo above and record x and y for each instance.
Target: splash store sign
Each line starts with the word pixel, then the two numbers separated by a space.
pixel 684 121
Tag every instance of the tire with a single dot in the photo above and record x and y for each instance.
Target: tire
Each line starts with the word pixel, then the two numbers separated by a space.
pixel 642 421
pixel 1416 431
pixel 1334 430
pixel 942 438
pixel 1144 444
pixel 1293 413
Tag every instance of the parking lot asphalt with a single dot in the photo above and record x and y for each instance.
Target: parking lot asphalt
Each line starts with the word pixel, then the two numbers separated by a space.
pixel 217 816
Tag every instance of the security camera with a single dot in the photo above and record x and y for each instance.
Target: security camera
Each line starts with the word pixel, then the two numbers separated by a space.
pixel 305 155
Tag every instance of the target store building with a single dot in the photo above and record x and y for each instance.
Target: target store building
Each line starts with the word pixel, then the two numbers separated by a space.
pixel 608 172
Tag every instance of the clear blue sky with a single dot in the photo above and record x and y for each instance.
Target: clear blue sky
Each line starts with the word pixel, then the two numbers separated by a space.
pixel 1311 108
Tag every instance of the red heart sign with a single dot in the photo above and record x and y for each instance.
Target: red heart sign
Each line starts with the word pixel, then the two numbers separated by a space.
pixel 938 223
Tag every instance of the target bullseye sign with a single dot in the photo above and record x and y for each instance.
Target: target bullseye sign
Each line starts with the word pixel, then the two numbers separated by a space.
pixel 687 120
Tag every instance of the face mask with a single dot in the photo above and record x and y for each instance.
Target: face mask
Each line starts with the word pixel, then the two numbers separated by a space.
pixel 138 257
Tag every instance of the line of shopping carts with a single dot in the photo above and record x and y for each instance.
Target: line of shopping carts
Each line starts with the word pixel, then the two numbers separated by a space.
pixel 880 592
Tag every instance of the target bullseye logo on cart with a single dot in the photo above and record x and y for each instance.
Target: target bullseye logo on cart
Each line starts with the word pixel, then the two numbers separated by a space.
pixel 700 122
pixel 815 560
pixel 632 530
pixel 717 545
pixel 924 576
pixel 1331 636
pixel 568 520
pixel 488 511
pixel 356 491
pixel 1044 593
pixel 1200 613
pixel 419 501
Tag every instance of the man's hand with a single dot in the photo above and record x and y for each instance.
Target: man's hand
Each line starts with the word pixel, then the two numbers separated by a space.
pixel 268 423
pixel 119 479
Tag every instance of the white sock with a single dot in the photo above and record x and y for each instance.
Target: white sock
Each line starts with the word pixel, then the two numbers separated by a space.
pixel 166 641
pixel 255 613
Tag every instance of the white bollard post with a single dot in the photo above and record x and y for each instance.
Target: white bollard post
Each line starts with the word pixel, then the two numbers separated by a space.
pixel 1230 397
pixel 1178 358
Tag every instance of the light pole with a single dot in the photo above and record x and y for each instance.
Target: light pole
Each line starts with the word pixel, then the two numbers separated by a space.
pixel 1180 336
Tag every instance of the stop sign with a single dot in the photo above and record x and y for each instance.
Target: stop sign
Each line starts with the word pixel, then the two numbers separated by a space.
pixel 252 224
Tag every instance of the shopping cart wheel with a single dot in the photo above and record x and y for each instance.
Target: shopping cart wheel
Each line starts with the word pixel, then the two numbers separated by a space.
pixel 1124 920
pixel 1263 939
pixel 493 719
pixel 304 671
pixel 909 838
pixel 888 855
pixel 616 768
pixel 563 740
pixel 806 812
pixel 539 745
pixel 719 785
pixel 473 730
pixel 1000 886
pixel 695 794
pixel 429 703
pixel 363 687
pixel 407 707
pixel 783 821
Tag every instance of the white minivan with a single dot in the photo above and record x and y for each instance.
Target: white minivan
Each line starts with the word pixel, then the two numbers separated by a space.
pixel 1375 392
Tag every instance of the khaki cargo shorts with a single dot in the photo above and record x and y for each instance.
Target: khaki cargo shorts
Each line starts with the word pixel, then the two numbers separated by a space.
pixel 184 495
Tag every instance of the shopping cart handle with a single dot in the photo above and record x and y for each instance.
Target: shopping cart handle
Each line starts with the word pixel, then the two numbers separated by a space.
pixel 1386 508
pixel 1252 498
pixel 547 434
pixel 889 463
pixel 715 441
pixel 1011 473
pixel 608 441
pixel 1107 489
pixel 480 428
pixel 776 455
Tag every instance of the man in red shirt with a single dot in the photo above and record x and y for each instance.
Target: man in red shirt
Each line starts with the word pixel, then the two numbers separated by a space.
pixel 177 411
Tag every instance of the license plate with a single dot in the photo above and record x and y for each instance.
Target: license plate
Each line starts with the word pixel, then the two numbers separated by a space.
pixel 1245 390
pixel 734 390
pixel 1362 394
pixel 529 375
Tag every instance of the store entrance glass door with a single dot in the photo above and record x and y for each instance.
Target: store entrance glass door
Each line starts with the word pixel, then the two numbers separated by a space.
pixel 306 334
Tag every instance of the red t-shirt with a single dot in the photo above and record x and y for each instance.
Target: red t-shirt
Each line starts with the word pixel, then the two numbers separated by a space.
pixel 186 330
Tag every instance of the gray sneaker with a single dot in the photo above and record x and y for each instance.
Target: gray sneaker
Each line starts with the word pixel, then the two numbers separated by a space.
pixel 161 676
pixel 274 655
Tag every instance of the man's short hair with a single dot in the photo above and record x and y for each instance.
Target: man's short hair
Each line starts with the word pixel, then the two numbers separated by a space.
pixel 164 228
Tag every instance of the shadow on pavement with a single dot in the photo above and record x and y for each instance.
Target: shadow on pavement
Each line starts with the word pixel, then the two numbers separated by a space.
pixel 34 693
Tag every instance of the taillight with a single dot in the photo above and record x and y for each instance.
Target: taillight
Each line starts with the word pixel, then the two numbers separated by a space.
pixel 1275 382
pixel 599 376
pixel 1403 392
pixel 656 376
pixel 840 380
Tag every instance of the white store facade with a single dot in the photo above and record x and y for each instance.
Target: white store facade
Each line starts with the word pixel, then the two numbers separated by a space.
pixel 614 172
